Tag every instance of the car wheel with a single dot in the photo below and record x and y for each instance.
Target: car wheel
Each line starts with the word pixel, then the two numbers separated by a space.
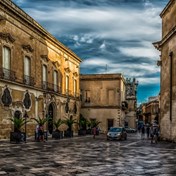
pixel 125 137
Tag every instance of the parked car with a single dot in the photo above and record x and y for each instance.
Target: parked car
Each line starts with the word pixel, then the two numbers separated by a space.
pixel 130 130
pixel 117 133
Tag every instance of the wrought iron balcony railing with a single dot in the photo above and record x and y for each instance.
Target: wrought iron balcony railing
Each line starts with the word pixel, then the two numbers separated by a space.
pixel 28 80
pixel 76 94
pixel 50 87
pixel 7 74
pixel 67 92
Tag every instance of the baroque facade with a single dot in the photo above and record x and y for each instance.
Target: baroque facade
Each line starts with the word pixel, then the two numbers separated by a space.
pixel 102 98
pixel 131 99
pixel 38 74
pixel 167 62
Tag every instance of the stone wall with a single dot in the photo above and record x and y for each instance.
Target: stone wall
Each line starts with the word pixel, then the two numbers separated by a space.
pixel 102 97
pixel 26 38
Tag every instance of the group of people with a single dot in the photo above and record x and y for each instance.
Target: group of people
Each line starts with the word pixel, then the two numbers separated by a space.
pixel 39 133
pixel 152 132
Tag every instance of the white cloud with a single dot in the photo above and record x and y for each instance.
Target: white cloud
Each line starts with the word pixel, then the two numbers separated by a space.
pixel 139 71
pixel 94 62
pixel 140 52
pixel 114 23
pixel 103 46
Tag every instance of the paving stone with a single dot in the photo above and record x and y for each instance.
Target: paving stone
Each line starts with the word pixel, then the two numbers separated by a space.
pixel 84 156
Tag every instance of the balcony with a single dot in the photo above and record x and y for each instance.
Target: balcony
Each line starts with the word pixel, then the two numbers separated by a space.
pixel 28 80
pixel 67 92
pixel 7 74
pixel 76 94
pixel 51 87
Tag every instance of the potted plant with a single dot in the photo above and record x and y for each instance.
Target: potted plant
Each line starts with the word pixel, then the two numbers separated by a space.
pixel 17 135
pixel 82 125
pixel 40 124
pixel 69 122
pixel 57 134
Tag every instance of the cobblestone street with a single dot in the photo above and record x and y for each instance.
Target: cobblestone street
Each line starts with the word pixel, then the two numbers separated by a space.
pixel 84 156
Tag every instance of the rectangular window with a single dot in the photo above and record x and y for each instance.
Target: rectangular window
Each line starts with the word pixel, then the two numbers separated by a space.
pixel 87 96
pixel 27 70
pixel 55 77
pixel 6 62
pixel 75 87
pixel 67 85
pixel 111 96
pixel 44 76
pixel 6 58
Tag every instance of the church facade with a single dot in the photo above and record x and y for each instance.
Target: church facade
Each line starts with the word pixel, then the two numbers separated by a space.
pixel 38 74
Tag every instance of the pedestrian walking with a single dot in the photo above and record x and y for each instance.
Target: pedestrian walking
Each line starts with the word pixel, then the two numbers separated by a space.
pixel 148 131
pixel 154 133
pixel 143 132
pixel 94 132
pixel 37 132
pixel 41 133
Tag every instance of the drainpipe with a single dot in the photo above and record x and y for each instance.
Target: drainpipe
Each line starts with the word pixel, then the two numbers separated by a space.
pixel 171 62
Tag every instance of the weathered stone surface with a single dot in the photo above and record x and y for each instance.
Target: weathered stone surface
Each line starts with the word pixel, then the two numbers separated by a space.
pixel 85 156
pixel 167 47
pixel 26 38
pixel 102 97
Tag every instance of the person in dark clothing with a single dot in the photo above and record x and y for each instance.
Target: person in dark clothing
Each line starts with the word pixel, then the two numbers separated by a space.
pixel 143 132
pixel 148 131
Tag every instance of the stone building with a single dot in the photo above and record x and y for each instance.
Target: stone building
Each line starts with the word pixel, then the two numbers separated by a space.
pixel 38 74
pixel 151 110
pixel 167 62
pixel 102 98
pixel 131 99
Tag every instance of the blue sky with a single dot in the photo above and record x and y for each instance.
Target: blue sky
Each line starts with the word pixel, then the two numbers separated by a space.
pixel 112 34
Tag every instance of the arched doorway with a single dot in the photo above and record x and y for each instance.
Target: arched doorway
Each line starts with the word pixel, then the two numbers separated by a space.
pixel 50 116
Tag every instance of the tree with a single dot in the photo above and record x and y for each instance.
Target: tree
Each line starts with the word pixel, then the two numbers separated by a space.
pixel 18 123
pixel 41 121
pixel 69 122
pixel 58 123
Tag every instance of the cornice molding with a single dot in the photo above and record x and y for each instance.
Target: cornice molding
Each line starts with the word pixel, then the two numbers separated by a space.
pixel 2 18
pixel 67 70
pixel 169 4
pixel 27 48
pixel 100 107
pixel 44 58
pixel 75 74
pixel 56 64
pixel 26 20
pixel 7 37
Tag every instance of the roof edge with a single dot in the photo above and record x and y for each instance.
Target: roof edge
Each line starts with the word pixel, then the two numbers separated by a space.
pixel 26 17
pixel 166 7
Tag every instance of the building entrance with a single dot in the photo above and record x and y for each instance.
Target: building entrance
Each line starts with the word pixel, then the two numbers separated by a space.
pixel 50 116
pixel 110 123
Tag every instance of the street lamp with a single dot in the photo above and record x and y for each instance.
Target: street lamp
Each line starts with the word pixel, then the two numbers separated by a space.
pixel 25 117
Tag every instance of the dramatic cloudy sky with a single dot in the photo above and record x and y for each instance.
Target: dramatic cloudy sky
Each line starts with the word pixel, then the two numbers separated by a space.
pixel 110 36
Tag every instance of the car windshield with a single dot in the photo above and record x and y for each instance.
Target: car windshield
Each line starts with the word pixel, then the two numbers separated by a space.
pixel 115 129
